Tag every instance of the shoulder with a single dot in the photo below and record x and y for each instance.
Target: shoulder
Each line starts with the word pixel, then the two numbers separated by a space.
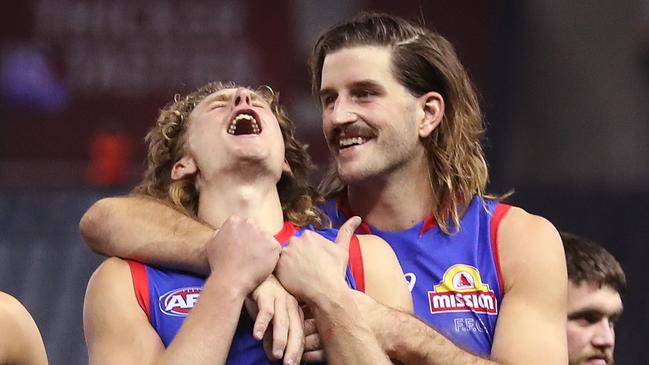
pixel 12 313
pixel 112 268
pixel 520 228
pixel 9 305
pixel 25 344
pixel 111 280
pixel 384 280
pixel 375 246
pixel 110 294
pixel 528 243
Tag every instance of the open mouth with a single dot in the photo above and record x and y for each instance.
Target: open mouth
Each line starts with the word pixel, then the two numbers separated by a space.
pixel 244 122
pixel 346 142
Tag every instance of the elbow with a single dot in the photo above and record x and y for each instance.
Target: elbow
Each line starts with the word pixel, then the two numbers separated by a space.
pixel 90 225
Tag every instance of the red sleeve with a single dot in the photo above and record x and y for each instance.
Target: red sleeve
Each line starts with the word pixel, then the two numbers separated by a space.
pixel 141 286
pixel 499 213
pixel 356 263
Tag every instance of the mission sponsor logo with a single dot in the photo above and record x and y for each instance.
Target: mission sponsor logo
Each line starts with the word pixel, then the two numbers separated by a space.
pixel 462 290
pixel 179 302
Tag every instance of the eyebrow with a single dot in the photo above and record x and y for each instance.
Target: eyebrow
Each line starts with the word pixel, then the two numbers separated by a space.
pixel 227 96
pixel 596 312
pixel 362 84
pixel 219 96
pixel 325 91
pixel 366 84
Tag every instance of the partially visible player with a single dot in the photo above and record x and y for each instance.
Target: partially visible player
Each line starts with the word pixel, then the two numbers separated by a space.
pixel 20 340
pixel 596 285
pixel 221 153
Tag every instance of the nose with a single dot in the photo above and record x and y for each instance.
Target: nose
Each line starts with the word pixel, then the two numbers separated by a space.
pixel 343 112
pixel 604 336
pixel 242 96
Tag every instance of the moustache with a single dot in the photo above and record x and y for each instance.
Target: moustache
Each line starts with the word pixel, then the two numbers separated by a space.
pixel 605 355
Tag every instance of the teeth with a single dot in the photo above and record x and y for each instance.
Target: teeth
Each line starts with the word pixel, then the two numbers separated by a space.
pixel 233 126
pixel 244 116
pixel 345 142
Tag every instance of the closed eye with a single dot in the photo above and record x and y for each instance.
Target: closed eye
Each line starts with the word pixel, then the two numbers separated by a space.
pixel 218 104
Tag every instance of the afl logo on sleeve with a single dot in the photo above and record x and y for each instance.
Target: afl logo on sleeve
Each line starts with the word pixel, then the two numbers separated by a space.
pixel 179 302
pixel 462 290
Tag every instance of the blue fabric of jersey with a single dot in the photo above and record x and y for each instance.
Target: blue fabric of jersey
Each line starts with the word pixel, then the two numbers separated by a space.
pixel 173 293
pixel 453 278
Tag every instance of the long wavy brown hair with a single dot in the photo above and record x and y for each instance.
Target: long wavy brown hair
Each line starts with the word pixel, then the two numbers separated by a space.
pixel 422 61
pixel 166 145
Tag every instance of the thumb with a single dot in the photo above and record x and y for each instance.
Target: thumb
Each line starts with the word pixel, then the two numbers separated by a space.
pixel 346 231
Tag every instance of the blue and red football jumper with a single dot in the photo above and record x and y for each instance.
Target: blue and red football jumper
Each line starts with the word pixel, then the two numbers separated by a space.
pixel 455 279
pixel 166 296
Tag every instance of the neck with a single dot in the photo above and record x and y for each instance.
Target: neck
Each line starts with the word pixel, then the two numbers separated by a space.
pixel 395 201
pixel 244 197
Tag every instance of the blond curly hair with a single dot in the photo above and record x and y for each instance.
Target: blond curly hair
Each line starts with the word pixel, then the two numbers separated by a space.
pixel 166 145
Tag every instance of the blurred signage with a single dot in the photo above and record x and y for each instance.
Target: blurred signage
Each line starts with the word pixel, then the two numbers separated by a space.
pixel 140 47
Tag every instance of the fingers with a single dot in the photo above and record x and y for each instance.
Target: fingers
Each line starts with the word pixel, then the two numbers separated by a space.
pixel 312 343
pixel 309 326
pixel 280 328
pixel 295 344
pixel 314 356
pixel 266 312
pixel 346 231
pixel 268 344
pixel 312 346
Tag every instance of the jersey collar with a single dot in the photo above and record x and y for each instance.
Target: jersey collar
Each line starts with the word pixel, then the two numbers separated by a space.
pixel 342 204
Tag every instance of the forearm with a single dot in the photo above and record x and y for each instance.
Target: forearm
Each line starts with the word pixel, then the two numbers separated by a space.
pixel 146 230
pixel 206 334
pixel 411 341
pixel 345 338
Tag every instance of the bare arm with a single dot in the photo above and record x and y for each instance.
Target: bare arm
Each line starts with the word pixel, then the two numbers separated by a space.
pixel 146 230
pixel 111 309
pixel 21 342
pixel 534 270
pixel 535 294
pixel 384 279
pixel 313 269
pixel 409 340
pixel 345 338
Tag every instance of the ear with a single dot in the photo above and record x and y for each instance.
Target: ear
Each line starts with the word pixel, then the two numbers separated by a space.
pixel 432 104
pixel 184 167
pixel 286 169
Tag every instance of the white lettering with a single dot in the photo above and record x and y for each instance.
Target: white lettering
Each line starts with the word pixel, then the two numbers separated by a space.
pixel 468 299
pixel 488 301
pixel 459 301
pixel 192 299
pixel 175 301
pixel 468 324
pixel 441 301
pixel 459 325
pixel 481 326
